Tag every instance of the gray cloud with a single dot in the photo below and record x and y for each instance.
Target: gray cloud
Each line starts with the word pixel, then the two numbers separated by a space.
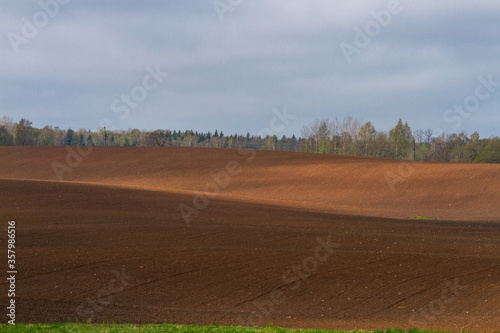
pixel 230 74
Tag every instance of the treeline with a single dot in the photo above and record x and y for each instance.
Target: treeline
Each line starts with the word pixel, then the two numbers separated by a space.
pixel 24 134
pixel 346 136
pixel 353 137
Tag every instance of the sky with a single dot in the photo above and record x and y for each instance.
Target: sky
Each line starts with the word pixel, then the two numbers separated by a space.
pixel 251 66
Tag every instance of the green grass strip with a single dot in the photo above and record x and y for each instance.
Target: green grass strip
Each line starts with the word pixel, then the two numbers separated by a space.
pixel 111 328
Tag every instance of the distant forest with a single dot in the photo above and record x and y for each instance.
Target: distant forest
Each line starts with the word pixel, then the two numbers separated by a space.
pixel 346 136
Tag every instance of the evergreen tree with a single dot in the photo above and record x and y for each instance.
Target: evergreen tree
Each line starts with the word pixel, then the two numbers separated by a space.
pixel 90 141
pixel 68 137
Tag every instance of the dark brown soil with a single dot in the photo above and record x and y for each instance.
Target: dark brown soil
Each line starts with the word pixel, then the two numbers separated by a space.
pixel 236 261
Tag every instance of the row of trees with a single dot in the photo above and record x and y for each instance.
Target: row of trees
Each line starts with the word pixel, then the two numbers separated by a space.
pixel 350 136
pixel 346 136
pixel 24 134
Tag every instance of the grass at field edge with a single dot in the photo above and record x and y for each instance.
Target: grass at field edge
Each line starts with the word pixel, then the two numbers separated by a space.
pixel 108 328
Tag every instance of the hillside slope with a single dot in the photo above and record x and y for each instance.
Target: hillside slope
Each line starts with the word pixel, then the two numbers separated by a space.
pixel 346 185
pixel 240 263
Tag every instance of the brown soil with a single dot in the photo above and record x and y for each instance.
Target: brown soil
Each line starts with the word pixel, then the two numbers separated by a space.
pixel 119 210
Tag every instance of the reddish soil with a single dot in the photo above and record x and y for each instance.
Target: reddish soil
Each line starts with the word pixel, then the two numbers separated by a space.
pixel 118 211
pixel 345 185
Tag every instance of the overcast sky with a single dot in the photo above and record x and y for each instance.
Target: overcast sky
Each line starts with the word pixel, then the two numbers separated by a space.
pixel 227 64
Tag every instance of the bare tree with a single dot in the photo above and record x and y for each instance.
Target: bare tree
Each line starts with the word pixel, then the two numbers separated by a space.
pixel 427 135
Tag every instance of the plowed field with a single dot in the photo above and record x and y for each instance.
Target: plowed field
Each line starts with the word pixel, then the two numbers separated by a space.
pixel 221 236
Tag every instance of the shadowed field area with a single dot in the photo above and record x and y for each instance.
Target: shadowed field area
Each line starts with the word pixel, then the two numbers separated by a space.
pixel 296 240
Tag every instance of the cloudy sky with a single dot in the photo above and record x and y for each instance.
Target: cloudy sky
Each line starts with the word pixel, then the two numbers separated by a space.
pixel 228 64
